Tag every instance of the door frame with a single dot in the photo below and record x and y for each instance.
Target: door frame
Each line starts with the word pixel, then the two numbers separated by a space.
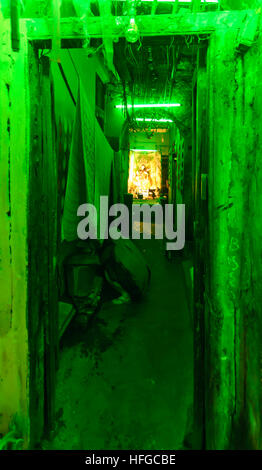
pixel 200 160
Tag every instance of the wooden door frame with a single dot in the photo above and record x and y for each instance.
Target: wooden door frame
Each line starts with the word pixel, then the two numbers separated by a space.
pixel 42 239
pixel 200 254
pixel 46 416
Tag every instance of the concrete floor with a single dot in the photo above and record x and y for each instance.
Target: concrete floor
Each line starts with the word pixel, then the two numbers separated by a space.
pixel 126 381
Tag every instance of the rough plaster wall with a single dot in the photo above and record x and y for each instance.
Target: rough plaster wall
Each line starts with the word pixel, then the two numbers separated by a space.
pixel 233 298
pixel 13 242
pixel 240 4
pixel 251 292
pixel 225 209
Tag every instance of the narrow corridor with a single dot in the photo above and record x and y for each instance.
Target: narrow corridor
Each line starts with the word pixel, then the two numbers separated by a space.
pixel 126 382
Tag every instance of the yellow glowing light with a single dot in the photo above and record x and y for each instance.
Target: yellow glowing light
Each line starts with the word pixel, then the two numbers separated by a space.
pixel 144 173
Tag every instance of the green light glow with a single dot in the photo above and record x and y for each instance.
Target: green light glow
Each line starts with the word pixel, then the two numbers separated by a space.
pixel 182 1
pixel 142 150
pixel 163 105
pixel 153 120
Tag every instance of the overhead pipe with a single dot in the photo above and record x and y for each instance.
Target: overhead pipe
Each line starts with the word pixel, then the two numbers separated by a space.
pixel 15 30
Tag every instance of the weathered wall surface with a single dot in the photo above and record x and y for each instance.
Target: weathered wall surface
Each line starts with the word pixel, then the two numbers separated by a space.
pixel 13 237
pixel 240 4
pixel 233 295
pixel 252 250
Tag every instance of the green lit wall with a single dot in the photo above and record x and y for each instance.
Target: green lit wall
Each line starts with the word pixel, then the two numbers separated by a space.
pixel 233 296
pixel 14 155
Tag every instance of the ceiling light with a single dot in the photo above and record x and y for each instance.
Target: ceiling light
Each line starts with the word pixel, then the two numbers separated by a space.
pixel 153 120
pixel 132 33
pixel 142 150
pixel 168 105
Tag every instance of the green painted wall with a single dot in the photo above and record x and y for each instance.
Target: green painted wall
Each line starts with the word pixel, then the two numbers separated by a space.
pixel 233 296
pixel 14 155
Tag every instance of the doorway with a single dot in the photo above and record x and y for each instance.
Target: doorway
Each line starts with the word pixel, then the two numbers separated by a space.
pixel 181 170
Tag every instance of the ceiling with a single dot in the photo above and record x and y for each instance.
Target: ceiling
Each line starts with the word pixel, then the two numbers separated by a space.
pixel 158 70
pixel 42 8
pixel 151 69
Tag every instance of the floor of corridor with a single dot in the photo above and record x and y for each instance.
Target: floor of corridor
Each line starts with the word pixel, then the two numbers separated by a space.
pixel 126 382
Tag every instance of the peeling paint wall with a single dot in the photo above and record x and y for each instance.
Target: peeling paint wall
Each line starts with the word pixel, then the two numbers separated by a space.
pixel 233 294
pixel 240 4
pixel 13 236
